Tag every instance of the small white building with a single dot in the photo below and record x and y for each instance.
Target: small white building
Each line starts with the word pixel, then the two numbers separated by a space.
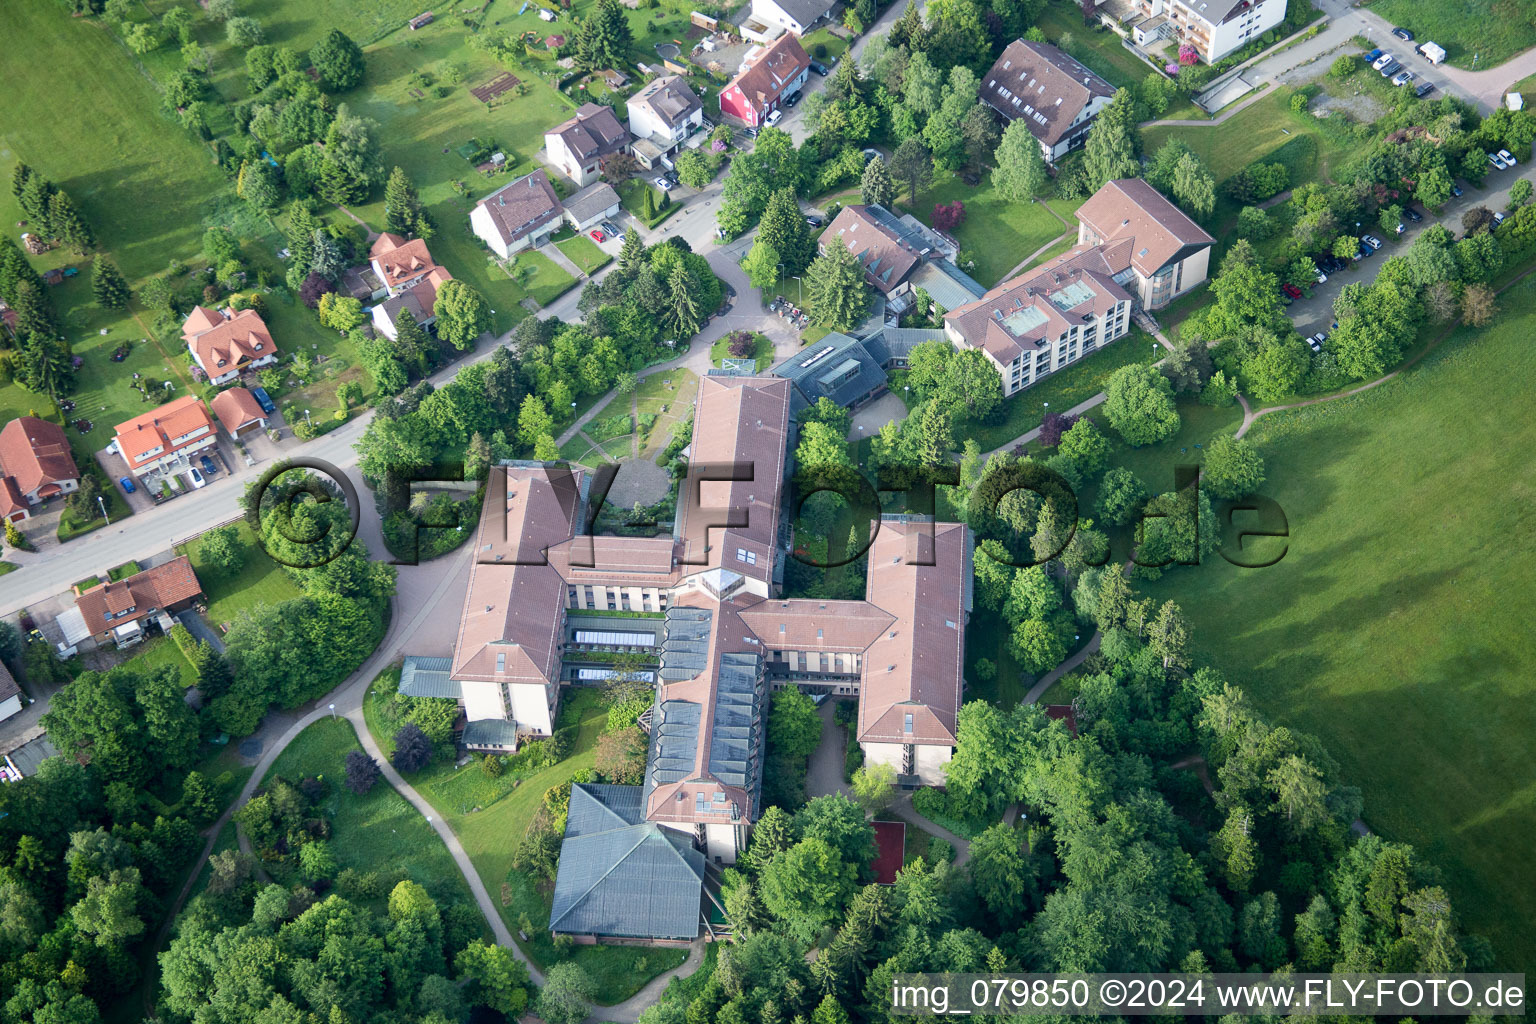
pixel 578 147
pixel 593 204
pixel 661 117
pixel 797 16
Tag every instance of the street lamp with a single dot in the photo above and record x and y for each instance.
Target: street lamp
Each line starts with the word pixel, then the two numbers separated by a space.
pixel 801 286
pixel 103 505
pixel 333 710
pixel 306 415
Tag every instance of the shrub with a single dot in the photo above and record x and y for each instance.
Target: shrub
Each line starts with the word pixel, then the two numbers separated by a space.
pixel 413 750
pixel 362 772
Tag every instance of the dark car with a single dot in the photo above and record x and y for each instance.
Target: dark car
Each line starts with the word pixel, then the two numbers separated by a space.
pixel 208 467
pixel 127 484
pixel 813 220
pixel 609 229
pixel 1392 69
pixel 1412 214
pixel 820 68
pixel 1424 89
pixel 1403 33
pixel 792 99
pixel 751 133
pixel 264 400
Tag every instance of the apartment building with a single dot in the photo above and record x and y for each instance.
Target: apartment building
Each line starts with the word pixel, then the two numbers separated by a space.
pixel 1214 28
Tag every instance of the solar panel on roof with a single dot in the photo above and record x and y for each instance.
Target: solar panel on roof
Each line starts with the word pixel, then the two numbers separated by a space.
pixel 675 741
pixel 586 636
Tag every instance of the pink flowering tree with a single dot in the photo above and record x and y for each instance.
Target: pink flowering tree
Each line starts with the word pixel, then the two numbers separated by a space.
pixel 1188 55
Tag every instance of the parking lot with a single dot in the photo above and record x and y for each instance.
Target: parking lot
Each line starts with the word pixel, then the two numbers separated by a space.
pixel 1314 311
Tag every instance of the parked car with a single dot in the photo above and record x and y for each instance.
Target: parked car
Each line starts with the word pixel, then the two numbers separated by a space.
pixel 609 229
pixel 264 400
pixel 1507 157
pixel 819 68
pixel 208 467
pixel 663 184
pixel 127 485
pixel 1500 218
pixel 1319 276
pixel 751 133
pixel 596 235
pixel 1424 89
pixel 1372 241
pixel 1371 57
pixel 196 478
pixel 1456 190
pixel 775 117
pixel 1392 69
pixel 1360 254
pixel 792 99
pixel 1316 341
pixel 1291 290
pixel 870 154
pixel 813 220
pixel 1402 78
pixel 1497 161
pixel 1412 214
pixel 1382 61
pixel 1403 33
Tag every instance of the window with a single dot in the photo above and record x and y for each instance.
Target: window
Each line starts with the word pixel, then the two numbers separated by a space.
pixel 749 557
pixel 906 723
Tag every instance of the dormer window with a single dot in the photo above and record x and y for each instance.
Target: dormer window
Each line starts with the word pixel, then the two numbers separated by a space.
pixel 222 362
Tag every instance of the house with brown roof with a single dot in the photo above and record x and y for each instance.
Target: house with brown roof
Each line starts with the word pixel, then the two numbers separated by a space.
pixel 10 694
pixel 238 411
pixel 1055 95
pixel 399 263
pixel 117 611
pixel 166 436
pixel 769 75
pixel 661 117
pixel 35 464
pixel 518 215
pixel 225 342
pixel 578 147
pixel 1047 317
pixel 1169 254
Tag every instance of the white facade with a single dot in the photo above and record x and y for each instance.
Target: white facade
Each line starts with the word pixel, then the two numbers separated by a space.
pixel 10 706
pixel 1213 28
pixel 644 124
pixel 570 164
pixel 1077 132
pixel 182 448
pixel 798 21
pixel 927 761
pixel 1169 282
pixel 485 230
pixel 1032 365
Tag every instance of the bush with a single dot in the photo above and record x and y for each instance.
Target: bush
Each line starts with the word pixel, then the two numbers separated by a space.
pixel 819 51
pixel 413 751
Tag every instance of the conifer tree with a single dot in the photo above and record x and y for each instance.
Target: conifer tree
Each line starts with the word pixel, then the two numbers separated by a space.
pixel 68 225
pixel 402 207
pixel 107 284
pixel 682 312
pixel 839 296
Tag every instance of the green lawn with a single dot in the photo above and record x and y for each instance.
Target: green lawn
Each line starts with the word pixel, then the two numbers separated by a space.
pixel 1464 28
pixel 1396 627
pixel 668 402
pixel 489 815
pixel 6 567
pixel 532 275
pixel 1268 131
pixel 1098 48
pixel 259 581
pixel 762 351
pixel 825 45
pixel 997 233
pixel 117 506
pixel 585 253
pixel 160 652
pixel 583 452
pixel 378 831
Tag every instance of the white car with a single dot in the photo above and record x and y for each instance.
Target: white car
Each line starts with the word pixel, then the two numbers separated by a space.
pixel 196 478
pixel 1383 61
pixel 663 184
pixel 774 118
pixel 1320 277
pixel 1507 157
pixel 1372 241
pixel 1497 161
pixel 1315 343
pixel 1499 218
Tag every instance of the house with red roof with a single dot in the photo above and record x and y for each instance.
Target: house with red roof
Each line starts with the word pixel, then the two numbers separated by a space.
pixel 776 71
pixel 411 280
pixel 35 464
pixel 166 436
pixel 225 342
pixel 238 412
pixel 116 611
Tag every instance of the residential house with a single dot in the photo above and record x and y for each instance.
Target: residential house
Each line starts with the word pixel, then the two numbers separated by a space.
pixel 1169 253
pixel 796 16
pixel 517 216
pixel 900 254
pixel 165 437
pixel 1047 317
pixel 411 279
pixel 225 342
pixel 597 202
pixel 10 697
pixel 1214 28
pixel 1057 96
pixel 35 464
pixel 117 611
pixel 578 147
pixel 238 411
pixel 770 74
pixel 661 117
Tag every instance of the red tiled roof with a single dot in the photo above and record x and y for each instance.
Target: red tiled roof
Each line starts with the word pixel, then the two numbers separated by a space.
pixel 231 341
pixel 11 498
pixel 400 261
pixel 594 131
pixel 885 258
pixel 159 588
pixel 156 428
pixel 777 66
pixel 1042 85
pixel 235 408
pixel 35 453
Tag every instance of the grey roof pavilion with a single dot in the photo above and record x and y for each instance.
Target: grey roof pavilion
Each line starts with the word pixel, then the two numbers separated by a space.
pixel 621 876
pixel 837 367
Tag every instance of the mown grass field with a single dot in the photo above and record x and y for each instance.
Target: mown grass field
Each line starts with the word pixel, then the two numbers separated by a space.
pixel 1396 627
pixel 1267 132
pixel 259 581
pixel 378 831
pixel 1464 28
pixel 997 233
